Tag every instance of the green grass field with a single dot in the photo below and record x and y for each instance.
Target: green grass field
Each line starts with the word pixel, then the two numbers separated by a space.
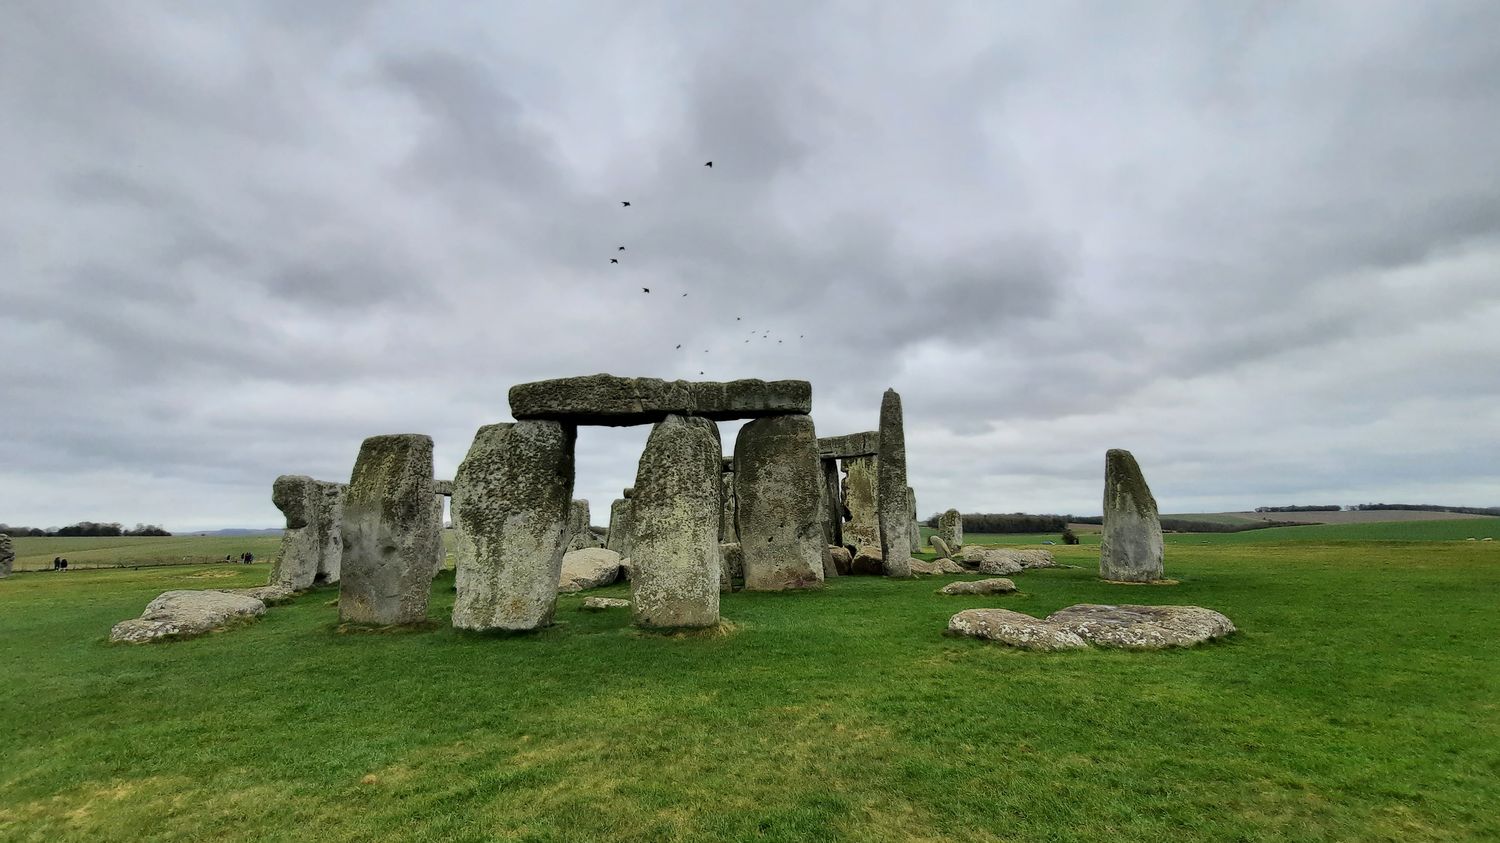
pixel 1403 531
pixel 36 554
pixel 1361 701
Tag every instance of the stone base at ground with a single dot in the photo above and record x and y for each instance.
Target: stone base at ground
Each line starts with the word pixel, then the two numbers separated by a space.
pixel 842 560
pixel 998 585
pixel 868 560
pixel 267 594
pixel 937 566
pixel 1073 628
pixel 599 604
pixel 590 567
pixel 182 614
pixel 1013 629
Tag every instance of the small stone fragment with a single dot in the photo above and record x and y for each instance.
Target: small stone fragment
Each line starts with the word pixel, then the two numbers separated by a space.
pixel 842 559
pixel 590 567
pixel 942 547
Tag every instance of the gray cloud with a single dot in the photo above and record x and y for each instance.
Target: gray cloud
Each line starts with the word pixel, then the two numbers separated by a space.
pixel 1255 242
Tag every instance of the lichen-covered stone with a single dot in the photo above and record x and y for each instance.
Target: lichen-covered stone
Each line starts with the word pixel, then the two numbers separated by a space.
pixel 618 537
pixel 443 487
pixel 997 585
pixel 1131 547
pixel 580 534
pixel 914 529
pixel 7 555
pixel 512 495
pixel 830 508
pixel 863 444
pixel 890 492
pixel 843 560
pixel 182 614
pixel 990 560
pixel 939 545
pixel 589 567
pixel 729 530
pixel 776 485
pixel 675 544
pixel 599 604
pixel 389 538
pixel 951 528
pixel 867 561
pixel 610 400
pixel 312 544
pixel 731 565
pixel 859 497
pixel 1014 629
pixel 937 567
pixel 1142 627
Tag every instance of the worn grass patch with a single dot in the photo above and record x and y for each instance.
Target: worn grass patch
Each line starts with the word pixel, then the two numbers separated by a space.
pixel 1360 701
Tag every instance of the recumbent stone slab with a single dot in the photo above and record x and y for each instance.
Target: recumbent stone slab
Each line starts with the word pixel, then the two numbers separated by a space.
pixel 1142 627
pixel 1014 629
pixel 777 480
pixel 998 585
pixel 675 542
pixel 182 614
pixel 610 400
pixel 389 537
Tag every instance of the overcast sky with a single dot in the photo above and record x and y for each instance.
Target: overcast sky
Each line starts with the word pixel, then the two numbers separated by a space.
pixel 1258 244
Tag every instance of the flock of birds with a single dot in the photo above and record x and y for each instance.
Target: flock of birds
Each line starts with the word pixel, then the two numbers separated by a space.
pixel 765 335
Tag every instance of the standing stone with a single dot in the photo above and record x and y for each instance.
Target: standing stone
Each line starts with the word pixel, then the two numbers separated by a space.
pixel 1131 549
pixel 777 480
pixel 861 512
pixel 388 535
pixel 729 531
pixel 7 555
pixel 439 561
pixel 312 544
pixel 832 507
pixel 895 514
pixel 513 494
pixel 675 541
pixel 940 546
pixel 951 528
pixel 731 565
pixel 915 531
pixel 580 534
pixel 618 537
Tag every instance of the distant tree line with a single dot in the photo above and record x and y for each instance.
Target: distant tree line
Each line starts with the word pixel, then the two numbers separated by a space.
pixel 1015 522
pixel 86 528
pixel 1330 508
pixel 1427 507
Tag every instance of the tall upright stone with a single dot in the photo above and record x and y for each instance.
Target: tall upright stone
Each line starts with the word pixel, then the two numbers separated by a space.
pixel 1131 548
pixel 951 528
pixel 832 507
pixel 618 538
pixel 674 544
pixel 7 555
pixel 388 532
pixel 729 531
pixel 860 499
pixel 440 559
pixel 914 532
pixel 894 506
pixel 777 482
pixel 513 495
pixel 580 534
pixel 312 543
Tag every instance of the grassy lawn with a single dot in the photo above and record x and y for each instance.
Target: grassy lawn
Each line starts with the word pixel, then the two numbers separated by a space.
pixel 36 554
pixel 1361 701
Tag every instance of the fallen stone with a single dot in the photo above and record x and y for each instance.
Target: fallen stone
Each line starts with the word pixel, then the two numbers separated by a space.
pixel 267 594
pixel 868 561
pixel 609 400
pixel 1142 627
pixel 589 567
pixel 990 560
pixel 182 614
pixel 389 534
pixel 842 559
pixel 863 444
pixel 951 528
pixel 998 585
pixel 1014 629
pixel 948 566
pixel 942 547
pixel 513 495
pixel 599 604
pixel 1031 557
pixel 891 489
pixel 675 523
pixel 1131 547
pixel 777 477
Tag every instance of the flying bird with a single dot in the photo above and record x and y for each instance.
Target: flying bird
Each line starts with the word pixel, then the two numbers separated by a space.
pixel 684 295
pixel 625 204
pixel 622 248
pixel 709 164
pixel 645 289
pixel 679 345
pixel 736 318
pixel 614 260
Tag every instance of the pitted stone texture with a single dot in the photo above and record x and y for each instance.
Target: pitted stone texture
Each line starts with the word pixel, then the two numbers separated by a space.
pixel 312 543
pixel 1142 627
pixel 937 567
pixel 267 594
pixel 776 483
pixel 1131 548
pixel 830 508
pixel 1004 560
pixel 951 528
pixel 859 499
pixel 675 546
pixel 599 604
pixel 998 585
pixel 589 567
pixel 891 489
pixel 729 530
pixel 1014 629
pixel 580 534
pixel 610 400
pixel 731 565
pixel 440 559
pixel 914 531
pixel 867 561
pixel 389 538
pixel 181 614
pixel 443 487
pixel 618 538
pixel 863 444
pixel 7 555
pixel 512 494
pixel 1030 557
pixel 942 547
pixel 842 560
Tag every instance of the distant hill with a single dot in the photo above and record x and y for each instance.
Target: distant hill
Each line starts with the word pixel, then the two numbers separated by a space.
pixel 234 531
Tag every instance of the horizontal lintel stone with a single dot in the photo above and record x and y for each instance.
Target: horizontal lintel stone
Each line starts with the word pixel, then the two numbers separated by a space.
pixel 616 401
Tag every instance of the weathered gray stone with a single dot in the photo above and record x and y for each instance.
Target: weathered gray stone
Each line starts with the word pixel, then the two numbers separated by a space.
pixel 861 501
pixel 675 546
pixel 729 530
pixel 1142 627
pixel 599 604
pixel 914 531
pixel 891 497
pixel 512 494
pixel 610 400
pixel 868 560
pixel 312 543
pixel 863 444
pixel 589 567
pixel 1030 557
pixel 948 566
pixel 580 534
pixel 618 538
pixel 830 508
pixel 1014 629
pixel 439 559
pixel 181 614
pixel 998 585
pixel 937 567
pixel 942 547
pixel 443 487
pixel 267 594
pixel 951 528
pixel 776 484
pixel 7 555
pixel 843 560
pixel 1131 548
pixel 991 560
pixel 389 540
pixel 731 565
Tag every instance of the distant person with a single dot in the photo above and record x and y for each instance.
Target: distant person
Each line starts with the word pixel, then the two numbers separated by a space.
pixel 65 564
pixel 249 557
pixel 57 563
pixel 227 558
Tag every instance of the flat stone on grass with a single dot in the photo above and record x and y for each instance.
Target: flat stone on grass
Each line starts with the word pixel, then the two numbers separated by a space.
pixel 183 614
pixel 996 585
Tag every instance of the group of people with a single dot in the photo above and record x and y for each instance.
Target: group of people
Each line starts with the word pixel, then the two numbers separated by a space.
pixel 59 563
pixel 245 558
